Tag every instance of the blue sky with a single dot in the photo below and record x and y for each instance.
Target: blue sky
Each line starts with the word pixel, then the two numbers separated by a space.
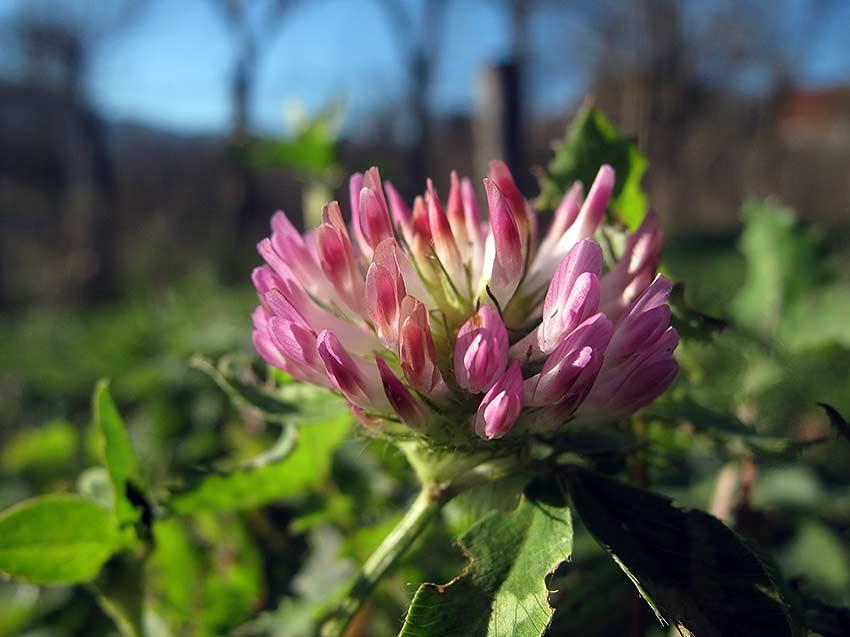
pixel 171 68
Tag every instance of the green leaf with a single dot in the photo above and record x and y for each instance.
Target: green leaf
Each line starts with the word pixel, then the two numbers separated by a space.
pixel 503 590
pixel 56 539
pixel 692 570
pixel 308 465
pixel 590 142
pixel 128 486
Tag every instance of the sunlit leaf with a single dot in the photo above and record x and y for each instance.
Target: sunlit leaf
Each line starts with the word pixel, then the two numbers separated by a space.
pixel 503 591
pixel 590 142
pixel 128 485
pixel 56 539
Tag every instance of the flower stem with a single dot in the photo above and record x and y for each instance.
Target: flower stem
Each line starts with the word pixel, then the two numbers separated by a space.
pixel 424 509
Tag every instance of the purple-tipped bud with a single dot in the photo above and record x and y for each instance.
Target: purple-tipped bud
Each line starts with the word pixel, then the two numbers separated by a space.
pixel 416 351
pixel 505 257
pixel 500 174
pixel 344 373
pixel 634 270
pixel 355 185
pixel 643 322
pixel 475 229
pixel 401 214
pixel 289 247
pixel 573 294
pixel 406 406
pixel 570 370
pixel 481 351
pixel 633 382
pixel 457 218
pixel 384 291
pixel 592 212
pixel 264 344
pixel 500 407
pixel 565 215
pixel 374 217
pixel 336 258
pixel 445 246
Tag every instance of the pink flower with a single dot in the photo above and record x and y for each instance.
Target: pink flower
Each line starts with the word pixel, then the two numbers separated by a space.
pixel 429 317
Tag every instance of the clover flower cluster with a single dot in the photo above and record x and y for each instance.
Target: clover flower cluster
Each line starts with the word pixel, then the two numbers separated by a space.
pixel 432 319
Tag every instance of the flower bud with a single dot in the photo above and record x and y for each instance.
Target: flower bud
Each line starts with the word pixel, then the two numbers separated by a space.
pixel 583 226
pixel 443 238
pixel 401 214
pixel 501 176
pixel 375 223
pixel 501 405
pixel 265 346
pixel 630 383
pixel 643 322
pixel 384 291
pixel 504 258
pixel 573 294
pixel 571 369
pixel 474 227
pixel 355 185
pixel 336 259
pixel 635 269
pixel 416 348
pixel 592 212
pixel 405 405
pixel 345 374
pixel 564 217
pixel 481 351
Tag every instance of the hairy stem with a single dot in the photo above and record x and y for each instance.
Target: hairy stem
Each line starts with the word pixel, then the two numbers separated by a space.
pixel 424 509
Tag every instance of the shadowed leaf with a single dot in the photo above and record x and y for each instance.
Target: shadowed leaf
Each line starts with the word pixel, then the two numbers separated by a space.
pixel 692 570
